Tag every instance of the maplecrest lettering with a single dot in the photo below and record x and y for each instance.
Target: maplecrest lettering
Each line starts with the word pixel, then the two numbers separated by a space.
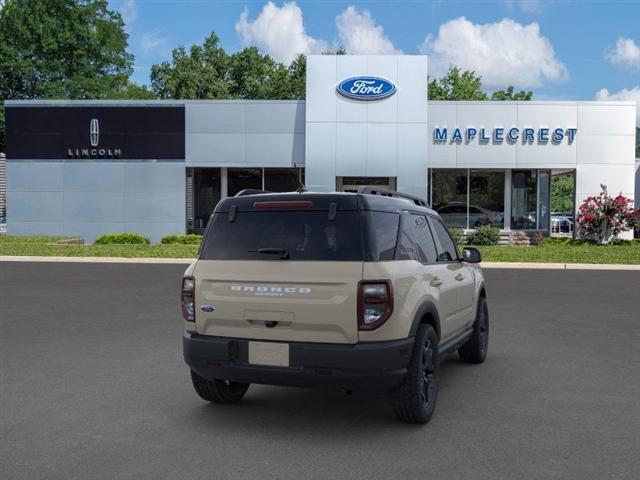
pixel 510 135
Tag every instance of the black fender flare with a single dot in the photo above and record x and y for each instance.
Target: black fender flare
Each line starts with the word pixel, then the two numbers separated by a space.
pixel 429 308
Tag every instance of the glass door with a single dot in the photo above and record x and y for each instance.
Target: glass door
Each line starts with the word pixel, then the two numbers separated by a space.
pixel 530 199
pixel 524 193
pixel 351 184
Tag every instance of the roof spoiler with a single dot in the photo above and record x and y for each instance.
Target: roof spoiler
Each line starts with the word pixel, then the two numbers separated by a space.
pixel 384 192
pixel 250 191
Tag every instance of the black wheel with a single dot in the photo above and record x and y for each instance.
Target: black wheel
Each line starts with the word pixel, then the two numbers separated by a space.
pixel 218 391
pixel 415 400
pixel 475 349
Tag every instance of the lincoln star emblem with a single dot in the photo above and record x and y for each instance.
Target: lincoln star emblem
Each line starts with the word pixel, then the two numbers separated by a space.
pixel 94 132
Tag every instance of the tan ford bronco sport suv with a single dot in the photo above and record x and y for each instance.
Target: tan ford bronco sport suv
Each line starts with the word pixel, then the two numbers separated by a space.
pixel 352 291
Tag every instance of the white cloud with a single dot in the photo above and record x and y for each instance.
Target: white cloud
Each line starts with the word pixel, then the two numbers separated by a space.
pixel 632 94
pixel 360 34
pixel 278 31
pixel 504 53
pixel 626 53
pixel 529 6
pixel 129 12
pixel 151 41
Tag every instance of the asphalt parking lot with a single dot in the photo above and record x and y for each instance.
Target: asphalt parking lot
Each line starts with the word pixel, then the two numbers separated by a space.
pixel 93 387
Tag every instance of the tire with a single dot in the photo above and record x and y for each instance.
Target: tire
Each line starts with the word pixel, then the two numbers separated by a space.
pixel 475 349
pixel 218 391
pixel 415 400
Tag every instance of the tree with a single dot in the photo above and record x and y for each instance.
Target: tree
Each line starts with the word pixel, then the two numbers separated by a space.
pixel 457 85
pixel 510 95
pixel 199 74
pixel 208 72
pixel 562 193
pixel 61 49
pixel 298 74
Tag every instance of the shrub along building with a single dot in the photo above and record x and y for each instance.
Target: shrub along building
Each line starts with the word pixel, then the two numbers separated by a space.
pixel 83 168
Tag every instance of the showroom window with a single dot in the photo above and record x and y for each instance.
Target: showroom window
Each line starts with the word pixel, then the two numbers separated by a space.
pixel 243 178
pixel 448 195
pixel 283 179
pixel 486 198
pixel 468 198
pixel 271 179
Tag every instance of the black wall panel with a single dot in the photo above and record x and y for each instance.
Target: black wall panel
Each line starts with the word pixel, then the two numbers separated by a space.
pixel 128 132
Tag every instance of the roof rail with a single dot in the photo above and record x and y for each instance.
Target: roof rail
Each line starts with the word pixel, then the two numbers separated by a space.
pixel 250 191
pixel 385 192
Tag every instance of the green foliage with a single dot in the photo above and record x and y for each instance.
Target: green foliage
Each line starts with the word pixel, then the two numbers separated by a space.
pixel 457 234
pixel 1 126
pixel 181 239
pixel 122 239
pixel 510 95
pixel 484 235
pixel 562 193
pixel 460 84
pixel 207 72
pixel 61 49
pixel 457 85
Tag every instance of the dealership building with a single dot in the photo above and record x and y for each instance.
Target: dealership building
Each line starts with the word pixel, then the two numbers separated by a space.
pixel 84 168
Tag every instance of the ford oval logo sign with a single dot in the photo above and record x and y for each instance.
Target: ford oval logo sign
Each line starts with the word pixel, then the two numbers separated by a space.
pixel 366 88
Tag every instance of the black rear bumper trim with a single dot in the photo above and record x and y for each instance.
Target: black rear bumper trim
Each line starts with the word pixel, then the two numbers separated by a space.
pixel 371 366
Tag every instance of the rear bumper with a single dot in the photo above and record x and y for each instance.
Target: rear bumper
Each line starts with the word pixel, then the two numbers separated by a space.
pixel 370 367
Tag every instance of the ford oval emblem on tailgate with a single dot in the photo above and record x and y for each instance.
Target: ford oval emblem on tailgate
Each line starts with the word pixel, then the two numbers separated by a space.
pixel 207 308
pixel 366 88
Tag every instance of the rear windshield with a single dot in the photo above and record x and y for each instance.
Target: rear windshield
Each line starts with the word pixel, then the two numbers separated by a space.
pixel 284 235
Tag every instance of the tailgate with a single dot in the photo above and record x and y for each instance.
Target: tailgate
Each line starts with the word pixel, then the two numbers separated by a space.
pixel 302 301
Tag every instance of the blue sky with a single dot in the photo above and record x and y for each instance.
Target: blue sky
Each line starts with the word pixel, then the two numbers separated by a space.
pixel 559 49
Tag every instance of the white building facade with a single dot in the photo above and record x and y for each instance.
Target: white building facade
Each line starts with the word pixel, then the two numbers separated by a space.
pixel 84 168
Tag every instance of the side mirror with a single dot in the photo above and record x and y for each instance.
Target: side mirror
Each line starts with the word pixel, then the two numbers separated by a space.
pixel 471 255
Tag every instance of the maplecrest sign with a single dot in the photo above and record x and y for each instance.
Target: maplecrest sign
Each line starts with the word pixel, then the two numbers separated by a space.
pixel 510 135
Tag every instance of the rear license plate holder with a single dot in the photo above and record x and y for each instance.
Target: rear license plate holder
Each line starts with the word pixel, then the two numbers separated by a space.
pixel 271 354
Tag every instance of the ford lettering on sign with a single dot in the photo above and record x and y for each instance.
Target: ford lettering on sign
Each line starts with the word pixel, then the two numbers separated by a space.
pixel 366 88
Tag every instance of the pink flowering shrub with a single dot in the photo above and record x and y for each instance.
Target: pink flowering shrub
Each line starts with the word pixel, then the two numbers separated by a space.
pixel 604 217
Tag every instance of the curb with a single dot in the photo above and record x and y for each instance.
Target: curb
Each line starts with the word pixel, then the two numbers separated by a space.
pixel 187 261
pixel 560 266
pixel 8 258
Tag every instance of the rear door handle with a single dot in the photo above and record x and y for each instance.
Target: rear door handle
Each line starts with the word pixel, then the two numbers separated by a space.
pixel 436 282
pixel 459 277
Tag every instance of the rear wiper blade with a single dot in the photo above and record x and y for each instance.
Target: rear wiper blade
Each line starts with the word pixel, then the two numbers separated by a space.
pixel 283 252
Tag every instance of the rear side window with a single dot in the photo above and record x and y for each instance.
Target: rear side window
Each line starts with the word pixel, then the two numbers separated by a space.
pixel 416 241
pixel 304 235
pixel 381 234
pixel 447 251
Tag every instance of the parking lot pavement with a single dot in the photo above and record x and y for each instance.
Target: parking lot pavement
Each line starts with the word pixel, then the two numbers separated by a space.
pixel 93 387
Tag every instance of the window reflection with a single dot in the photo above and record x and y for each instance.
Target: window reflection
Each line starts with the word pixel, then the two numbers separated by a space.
pixel 468 199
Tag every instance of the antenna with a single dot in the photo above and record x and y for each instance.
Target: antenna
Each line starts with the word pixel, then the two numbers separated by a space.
pixel 301 188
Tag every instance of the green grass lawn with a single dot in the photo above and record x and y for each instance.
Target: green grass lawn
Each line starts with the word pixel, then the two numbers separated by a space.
pixel 48 247
pixel 553 252
pixel 628 253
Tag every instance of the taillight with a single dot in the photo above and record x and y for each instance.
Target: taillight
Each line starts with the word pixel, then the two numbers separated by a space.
pixel 186 297
pixel 375 303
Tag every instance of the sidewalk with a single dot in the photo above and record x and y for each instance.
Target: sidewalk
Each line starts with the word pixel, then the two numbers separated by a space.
pixel 186 261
